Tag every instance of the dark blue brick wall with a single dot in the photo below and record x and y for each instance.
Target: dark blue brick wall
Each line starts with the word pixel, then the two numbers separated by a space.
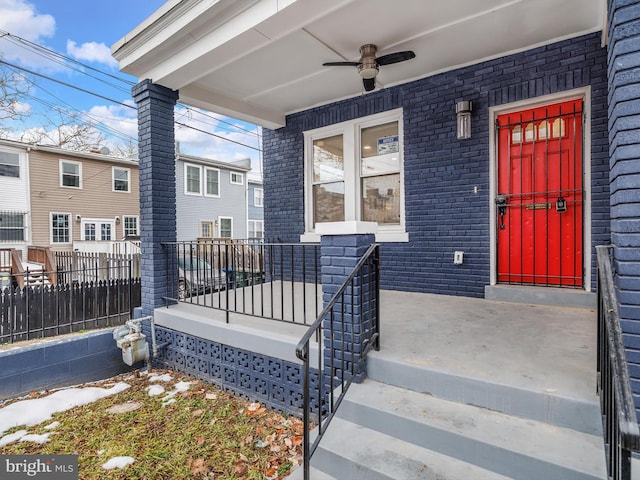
pixel 156 151
pixel 443 214
pixel 624 138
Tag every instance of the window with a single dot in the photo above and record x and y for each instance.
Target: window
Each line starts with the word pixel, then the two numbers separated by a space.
pixel 95 229
pixel 256 229
pixel 60 228
pixel 212 179
pixel 70 174
pixel 206 229
pixel 12 227
pixel 9 164
pixel 130 226
pixel 225 227
pixel 354 172
pixel 258 197
pixel 192 179
pixel 237 178
pixel 121 179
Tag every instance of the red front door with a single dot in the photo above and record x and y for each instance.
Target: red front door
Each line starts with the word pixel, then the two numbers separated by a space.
pixel 539 201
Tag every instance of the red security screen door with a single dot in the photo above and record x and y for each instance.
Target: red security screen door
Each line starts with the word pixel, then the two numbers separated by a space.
pixel 539 201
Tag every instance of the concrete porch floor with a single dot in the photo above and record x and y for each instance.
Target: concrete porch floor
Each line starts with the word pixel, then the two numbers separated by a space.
pixel 543 349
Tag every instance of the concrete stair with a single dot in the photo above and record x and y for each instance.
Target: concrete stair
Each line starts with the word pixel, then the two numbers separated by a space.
pixel 386 431
pixel 37 276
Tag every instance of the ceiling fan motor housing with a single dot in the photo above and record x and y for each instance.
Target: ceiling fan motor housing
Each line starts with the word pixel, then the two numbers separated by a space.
pixel 368 67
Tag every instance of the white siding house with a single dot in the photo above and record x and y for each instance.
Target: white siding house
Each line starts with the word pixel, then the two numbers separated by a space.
pixel 211 198
pixel 14 197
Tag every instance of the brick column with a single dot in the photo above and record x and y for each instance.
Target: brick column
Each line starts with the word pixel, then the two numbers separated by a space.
pixel 156 151
pixel 339 255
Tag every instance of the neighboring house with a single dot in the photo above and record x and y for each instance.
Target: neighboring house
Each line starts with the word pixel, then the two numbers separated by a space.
pixel 210 198
pixel 490 165
pixel 82 200
pixel 15 209
pixel 255 206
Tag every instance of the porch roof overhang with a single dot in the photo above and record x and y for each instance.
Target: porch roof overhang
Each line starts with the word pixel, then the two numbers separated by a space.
pixel 259 60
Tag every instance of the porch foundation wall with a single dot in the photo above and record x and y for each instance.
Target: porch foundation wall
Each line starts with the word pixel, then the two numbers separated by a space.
pixel 446 180
pixel 59 363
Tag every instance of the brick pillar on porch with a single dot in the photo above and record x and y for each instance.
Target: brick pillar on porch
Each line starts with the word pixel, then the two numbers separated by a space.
pixel 339 255
pixel 156 151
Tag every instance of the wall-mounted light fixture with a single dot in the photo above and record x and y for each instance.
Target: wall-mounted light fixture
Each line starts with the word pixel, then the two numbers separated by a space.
pixel 463 112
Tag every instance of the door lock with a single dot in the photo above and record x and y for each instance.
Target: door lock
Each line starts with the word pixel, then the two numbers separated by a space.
pixel 561 205
pixel 501 202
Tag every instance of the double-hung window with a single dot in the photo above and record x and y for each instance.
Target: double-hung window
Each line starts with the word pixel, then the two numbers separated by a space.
pixel 212 182
pixel 12 227
pixel 354 172
pixel 236 178
pixel 192 183
pixel 258 197
pixel 121 179
pixel 70 174
pixel 60 227
pixel 130 226
pixel 9 164
pixel 225 227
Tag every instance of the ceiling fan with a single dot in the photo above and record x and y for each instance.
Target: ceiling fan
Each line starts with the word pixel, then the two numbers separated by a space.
pixel 368 64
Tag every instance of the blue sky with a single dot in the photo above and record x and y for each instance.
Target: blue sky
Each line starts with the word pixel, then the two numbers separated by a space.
pixel 84 31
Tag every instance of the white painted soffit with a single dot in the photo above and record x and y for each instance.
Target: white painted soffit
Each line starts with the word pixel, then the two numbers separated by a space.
pixel 258 60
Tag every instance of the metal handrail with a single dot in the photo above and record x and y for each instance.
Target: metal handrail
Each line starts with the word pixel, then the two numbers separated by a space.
pixel 619 422
pixel 302 352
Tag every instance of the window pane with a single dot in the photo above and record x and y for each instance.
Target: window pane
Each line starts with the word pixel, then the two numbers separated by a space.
pixel 212 182
pixel 121 180
pixel 328 159
pixel 131 226
pixel 236 178
pixel 193 179
pixel 380 149
pixel 225 227
pixel 328 202
pixel 60 228
pixel 105 231
pixel 381 199
pixel 205 228
pixel 70 174
pixel 9 164
pixel 11 227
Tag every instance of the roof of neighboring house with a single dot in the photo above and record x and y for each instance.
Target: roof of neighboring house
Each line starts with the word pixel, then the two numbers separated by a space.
pixel 243 165
pixel 94 155
pixel 254 177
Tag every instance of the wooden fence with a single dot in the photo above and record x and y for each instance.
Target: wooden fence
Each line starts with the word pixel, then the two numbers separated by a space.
pixel 93 267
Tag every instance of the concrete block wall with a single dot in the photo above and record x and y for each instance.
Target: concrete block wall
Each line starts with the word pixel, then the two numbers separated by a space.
pixel 624 138
pixel 58 363
pixel 443 212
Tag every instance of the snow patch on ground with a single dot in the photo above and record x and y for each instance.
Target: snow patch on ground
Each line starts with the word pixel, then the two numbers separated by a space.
pixel 155 390
pixel 154 377
pixel 44 438
pixel 118 462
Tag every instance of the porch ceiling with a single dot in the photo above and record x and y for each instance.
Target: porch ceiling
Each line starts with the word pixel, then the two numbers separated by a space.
pixel 258 60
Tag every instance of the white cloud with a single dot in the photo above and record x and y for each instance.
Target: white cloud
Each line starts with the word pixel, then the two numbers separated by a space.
pixel 20 18
pixel 91 52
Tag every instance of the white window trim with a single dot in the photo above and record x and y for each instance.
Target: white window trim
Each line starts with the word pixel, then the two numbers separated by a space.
pixel 113 179
pixel 220 218
pixel 62 161
pixel 204 182
pixel 240 175
pixel 350 132
pixel 51 214
pixel 124 223
pixel 256 197
pixel 186 182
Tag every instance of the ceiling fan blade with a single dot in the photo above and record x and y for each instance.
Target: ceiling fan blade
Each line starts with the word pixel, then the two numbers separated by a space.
pixel 395 57
pixel 369 84
pixel 341 64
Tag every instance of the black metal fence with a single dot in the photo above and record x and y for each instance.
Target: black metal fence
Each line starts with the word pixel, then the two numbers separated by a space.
pixel 349 326
pixel 619 421
pixel 278 281
pixel 50 310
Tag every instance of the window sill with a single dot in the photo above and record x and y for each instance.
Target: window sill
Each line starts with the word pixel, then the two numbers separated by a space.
pixel 381 237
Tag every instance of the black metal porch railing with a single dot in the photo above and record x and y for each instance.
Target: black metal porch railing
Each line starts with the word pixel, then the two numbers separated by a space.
pixel 619 421
pixel 277 281
pixel 345 344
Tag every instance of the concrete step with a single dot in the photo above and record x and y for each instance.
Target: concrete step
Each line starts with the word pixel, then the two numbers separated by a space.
pixel 505 445
pixel 315 474
pixel 548 406
pixel 353 452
